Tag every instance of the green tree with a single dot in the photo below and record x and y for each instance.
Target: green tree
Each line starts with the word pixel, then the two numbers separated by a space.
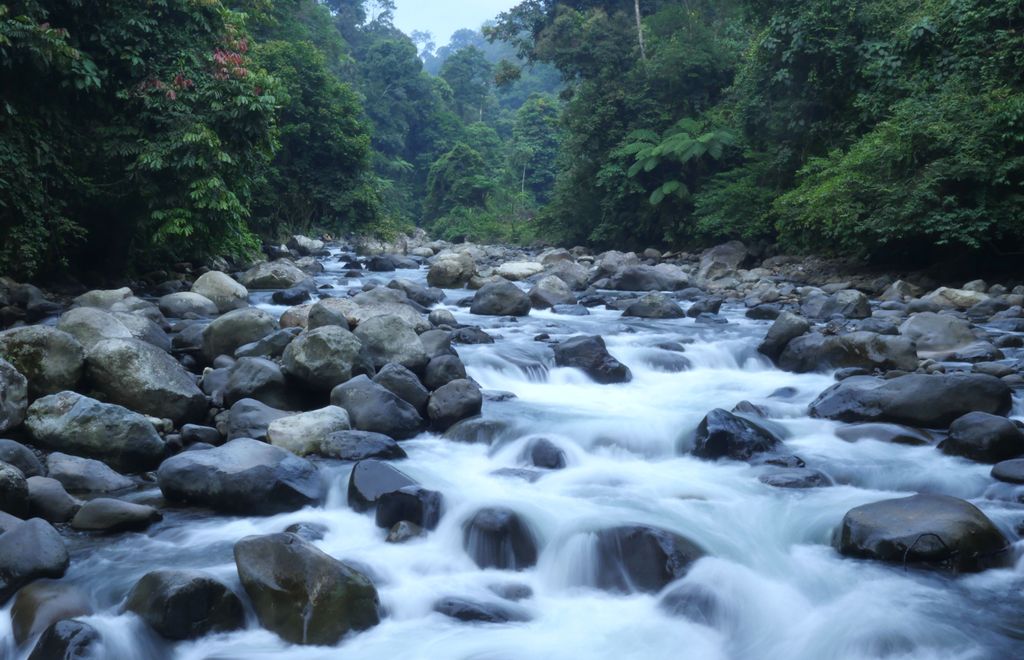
pixel 469 75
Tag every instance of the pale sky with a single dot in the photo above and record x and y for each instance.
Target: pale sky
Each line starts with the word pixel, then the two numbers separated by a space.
pixel 443 17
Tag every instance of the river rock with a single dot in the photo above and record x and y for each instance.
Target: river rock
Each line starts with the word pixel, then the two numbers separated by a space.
pixel 305 245
pixel 236 328
pixel 654 306
pixel 464 609
pixel 663 277
pixel 948 298
pixel 984 438
pixel 70 422
pixel 638 558
pixel 451 270
pixel 722 434
pixel 937 334
pixel 418 294
pixel 442 370
pixel 405 385
pixel 545 454
pixel 13 491
pixel 67 640
pixel 103 298
pixel 453 402
pixel 500 538
pixel 13 396
pixel 305 433
pixel 848 303
pixel 143 378
pixel 928 401
pixel 891 433
pixel 85 475
pixel 89 326
pixel 243 476
pixel 250 418
pixel 301 593
pixel 360 445
pixel 260 379
pixel 515 271
pixel 786 328
pixel 48 500
pixel 865 350
pixel 389 339
pixel 589 354
pixel 374 408
pixel 414 504
pixel 145 330
pixel 28 551
pixel 271 346
pixel 280 274
pixel 187 303
pixel 105 514
pixel 794 477
pixel 185 604
pixel 550 291
pixel 51 360
pixel 325 357
pixel 43 603
pixel 222 290
pixel 21 457
pixel 926 530
pixel 501 298
pixel 721 261
pixel 370 479
pixel 1011 471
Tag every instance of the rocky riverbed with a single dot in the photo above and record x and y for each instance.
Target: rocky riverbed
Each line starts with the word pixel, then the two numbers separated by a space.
pixel 425 450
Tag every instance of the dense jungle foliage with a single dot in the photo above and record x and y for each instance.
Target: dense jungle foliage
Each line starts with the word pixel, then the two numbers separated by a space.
pixel 132 133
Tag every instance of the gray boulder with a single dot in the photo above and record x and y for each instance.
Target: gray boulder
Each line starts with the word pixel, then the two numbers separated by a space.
pixel 848 303
pixel 866 350
pixel 372 407
pixel 325 357
pixel 186 303
pixel 242 326
pixel 89 326
pixel 590 355
pixel 51 360
pixel 663 277
pixel 722 434
pixel 721 261
pixel 250 418
pixel 13 397
pixel 13 491
pixel 937 335
pixel 405 385
pixel 501 298
pixel 451 270
pixel 260 379
pixel 105 514
pixel 370 479
pixel 550 291
pixel 48 500
pixel 638 558
pixel 654 306
pixel 389 339
pixel 442 370
pixel 84 475
pixel 280 274
pixel 70 422
pixel 785 329
pixel 453 402
pixel 28 551
pixel 984 438
pixel 43 603
pixel 185 604
pixel 21 457
pixel 360 445
pixel 497 537
pixel 67 639
pixel 243 476
pixel 222 289
pixel 305 433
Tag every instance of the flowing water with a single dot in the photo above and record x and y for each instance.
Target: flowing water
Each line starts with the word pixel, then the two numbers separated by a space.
pixel 783 592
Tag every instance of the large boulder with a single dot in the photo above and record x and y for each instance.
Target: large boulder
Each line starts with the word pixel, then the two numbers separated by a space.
pixel 68 639
pixel 243 476
pixel 13 396
pixel 21 457
pixel 325 357
pixel 933 401
pixel 185 604
pixel 370 479
pixel 47 499
pixel 242 326
pixel 454 402
pixel 985 438
pixel 72 423
pixel 501 298
pixel 784 329
pixel 638 558
pixel 250 418
pixel 406 385
pixel 51 359
pixel 515 271
pixel 948 298
pixel 222 289
pixel 551 291
pixel 465 609
pixel 301 593
pixel 413 504
pixel 866 350
pixel 260 379
pixel 143 378
pixel 721 261
pixel 500 538
pixel 305 433
pixel 145 329
pixel 590 355
pixel 848 303
pixel 937 335
pixel 372 407
pixel 89 326
pixel 389 339
pixel 663 277
pixel 103 298
pixel 30 550
pixel 84 475
pixel 360 445
pixel 449 271
pixel 14 498
pixel 722 434
pixel 186 303
pixel 654 306
pixel 925 530
pixel 105 514
pixel 280 274
pixel 43 603
pixel 305 245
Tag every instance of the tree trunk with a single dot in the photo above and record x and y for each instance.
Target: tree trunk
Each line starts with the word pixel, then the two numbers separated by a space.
pixel 640 30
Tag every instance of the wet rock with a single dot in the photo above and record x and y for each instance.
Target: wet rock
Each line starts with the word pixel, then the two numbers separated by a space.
pixel 104 514
pixel 477 429
pixel 571 310
pixel 638 558
pixel 453 402
pixel 590 355
pixel 372 478
pixel 848 303
pixel 186 303
pixel 185 604
pixel 51 360
pixel 704 306
pixel 236 328
pixel 250 418
pixel 416 293
pixel 722 434
pixel 983 437
pixel 43 603
pixel 67 640
pixel 388 338
pixel 145 330
pixel 439 317
pixel 85 475
pixel 303 594
pixel 937 334
pixel 243 476
pixel 13 397
pixel 225 292
pixel 866 350
pixel 721 261
pixel 305 433
pixel 308 531
pixel 451 270
pixel 795 478
pixel 405 385
pixel 468 610
pixel 293 296
pixel 500 298
pixel 470 336
pixel 325 357
pixel 304 245
pixel 90 326
pixel 500 538
pixel 271 346
pixel 928 401
pixel 280 274
pixel 694 602
pixel 145 379
pixel 1011 471
pixel 48 500
pixel 550 291
pixel 891 433
pixel 70 422
pixel 654 306
pixel 442 370
pixel 360 445
pixel 28 551
pixel 948 298
pixel 192 433
pixel 13 491
pixel 519 270
pixel 545 454
pixel 437 343
pixel 374 408
pixel 403 531
pixel 785 329
pixel 925 530
pixel 414 504
pixel 663 277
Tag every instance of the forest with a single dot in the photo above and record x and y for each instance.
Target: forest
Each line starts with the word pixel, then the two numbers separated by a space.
pixel 138 133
